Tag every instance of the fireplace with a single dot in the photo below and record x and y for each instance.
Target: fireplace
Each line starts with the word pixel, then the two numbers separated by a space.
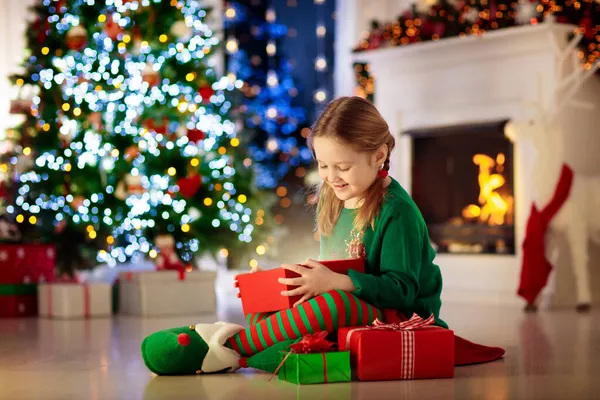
pixel 462 181
pixel 456 83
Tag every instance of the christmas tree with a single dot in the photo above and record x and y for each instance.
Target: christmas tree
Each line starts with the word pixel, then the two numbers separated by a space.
pixel 133 149
pixel 255 56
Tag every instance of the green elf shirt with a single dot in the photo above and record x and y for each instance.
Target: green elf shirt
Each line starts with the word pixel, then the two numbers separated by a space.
pixel 400 272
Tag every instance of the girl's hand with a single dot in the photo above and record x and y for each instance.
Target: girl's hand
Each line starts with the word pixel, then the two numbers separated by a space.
pixel 255 269
pixel 252 270
pixel 312 281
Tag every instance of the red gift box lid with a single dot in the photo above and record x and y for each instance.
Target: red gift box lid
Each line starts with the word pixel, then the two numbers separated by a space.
pixel 261 291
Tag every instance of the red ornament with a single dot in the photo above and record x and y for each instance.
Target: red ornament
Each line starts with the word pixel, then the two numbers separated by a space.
pixel 206 92
pixel 112 29
pixel 587 26
pixel 150 76
pixel 77 38
pixel 189 185
pixel 60 4
pixel 196 135
pixel 382 174
pixel 184 339
pixel 152 125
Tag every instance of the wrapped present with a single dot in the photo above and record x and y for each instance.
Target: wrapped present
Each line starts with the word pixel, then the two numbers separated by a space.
pixel 26 263
pixel 167 293
pixel 74 300
pixel 413 349
pixel 18 301
pixel 311 360
pixel 261 291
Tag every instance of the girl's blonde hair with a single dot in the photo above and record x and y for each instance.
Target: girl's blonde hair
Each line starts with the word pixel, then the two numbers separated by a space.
pixel 355 122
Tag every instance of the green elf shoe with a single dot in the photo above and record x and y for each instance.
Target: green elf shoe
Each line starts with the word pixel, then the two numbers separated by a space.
pixel 200 348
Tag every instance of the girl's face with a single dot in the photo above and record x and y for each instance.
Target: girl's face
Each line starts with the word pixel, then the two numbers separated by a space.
pixel 348 172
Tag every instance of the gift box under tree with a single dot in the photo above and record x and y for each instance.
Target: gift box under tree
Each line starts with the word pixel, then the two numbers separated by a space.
pixel 314 360
pixel 18 300
pixel 413 349
pixel 167 293
pixel 26 263
pixel 74 300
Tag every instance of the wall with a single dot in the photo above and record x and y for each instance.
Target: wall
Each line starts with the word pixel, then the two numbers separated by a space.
pixel 13 14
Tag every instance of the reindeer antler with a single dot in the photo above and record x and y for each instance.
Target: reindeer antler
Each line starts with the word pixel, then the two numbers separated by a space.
pixel 573 81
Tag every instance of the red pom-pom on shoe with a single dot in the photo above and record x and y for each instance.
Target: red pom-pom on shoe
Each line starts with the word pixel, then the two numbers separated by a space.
pixel 382 174
pixel 184 339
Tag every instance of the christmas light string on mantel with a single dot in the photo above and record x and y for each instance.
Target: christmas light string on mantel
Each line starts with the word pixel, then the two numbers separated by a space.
pixel 425 21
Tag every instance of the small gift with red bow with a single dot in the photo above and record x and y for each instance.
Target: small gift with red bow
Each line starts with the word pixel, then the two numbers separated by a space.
pixel 314 359
pixel 413 349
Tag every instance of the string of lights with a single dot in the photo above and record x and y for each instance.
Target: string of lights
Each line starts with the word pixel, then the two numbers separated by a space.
pixel 474 17
pixel 273 122
pixel 128 132
pixel 321 66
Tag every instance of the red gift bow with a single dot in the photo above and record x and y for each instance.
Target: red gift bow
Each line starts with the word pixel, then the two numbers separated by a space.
pixel 312 343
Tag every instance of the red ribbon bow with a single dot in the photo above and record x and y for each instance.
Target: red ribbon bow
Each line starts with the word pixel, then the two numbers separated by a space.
pixel 312 343
pixel 415 322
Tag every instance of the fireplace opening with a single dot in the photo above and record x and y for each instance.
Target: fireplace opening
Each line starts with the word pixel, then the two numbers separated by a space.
pixel 462 181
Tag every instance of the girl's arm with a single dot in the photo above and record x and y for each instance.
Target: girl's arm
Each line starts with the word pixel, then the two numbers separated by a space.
pixel 400 264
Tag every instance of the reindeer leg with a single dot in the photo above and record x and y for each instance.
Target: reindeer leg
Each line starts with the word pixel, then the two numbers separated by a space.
pixel 578 242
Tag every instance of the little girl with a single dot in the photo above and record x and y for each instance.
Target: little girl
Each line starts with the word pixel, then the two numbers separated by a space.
pixel 361 212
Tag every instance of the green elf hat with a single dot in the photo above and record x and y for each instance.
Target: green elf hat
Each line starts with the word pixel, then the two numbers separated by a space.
pixel 191 350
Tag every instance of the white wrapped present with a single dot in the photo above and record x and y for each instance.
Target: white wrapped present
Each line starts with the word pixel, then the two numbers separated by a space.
pixel 74 300
pixel 167 293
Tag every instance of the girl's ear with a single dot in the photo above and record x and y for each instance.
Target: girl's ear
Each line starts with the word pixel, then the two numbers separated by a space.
pixel 380 154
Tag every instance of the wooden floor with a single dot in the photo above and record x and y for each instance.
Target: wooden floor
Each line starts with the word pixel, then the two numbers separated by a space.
pixel 549 356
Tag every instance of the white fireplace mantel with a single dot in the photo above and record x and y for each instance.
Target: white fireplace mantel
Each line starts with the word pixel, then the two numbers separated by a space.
pixel 467 80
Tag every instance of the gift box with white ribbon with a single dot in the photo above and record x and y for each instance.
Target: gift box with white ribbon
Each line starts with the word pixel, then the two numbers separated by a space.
pixel 74 300
pixel 167 293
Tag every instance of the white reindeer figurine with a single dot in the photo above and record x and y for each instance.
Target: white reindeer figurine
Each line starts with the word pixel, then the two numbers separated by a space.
pixel 574 218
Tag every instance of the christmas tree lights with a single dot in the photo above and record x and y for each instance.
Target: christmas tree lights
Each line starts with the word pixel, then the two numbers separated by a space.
pixel 130 134
pixel 256 58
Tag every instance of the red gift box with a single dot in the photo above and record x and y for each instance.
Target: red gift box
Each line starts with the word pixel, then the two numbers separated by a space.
pixel 18 301
pixel 26 263
pixel 261 291
pixel 414 349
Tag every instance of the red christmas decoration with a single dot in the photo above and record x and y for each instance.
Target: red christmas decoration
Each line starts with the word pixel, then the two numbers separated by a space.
pixel 189 185
pixel 112 29
pixel 77 38
pixel 313 343
pixel 167 258
pixel 195 135
pixel 153 126
pixel 184 339
pixel 206 92
pixel 60 4
pixel 150 76
pixel 535 267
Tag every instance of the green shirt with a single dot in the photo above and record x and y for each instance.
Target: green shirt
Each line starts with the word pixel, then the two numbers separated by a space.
pixel 399 269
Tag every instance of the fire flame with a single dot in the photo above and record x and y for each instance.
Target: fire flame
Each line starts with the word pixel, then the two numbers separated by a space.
pixel 493 209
